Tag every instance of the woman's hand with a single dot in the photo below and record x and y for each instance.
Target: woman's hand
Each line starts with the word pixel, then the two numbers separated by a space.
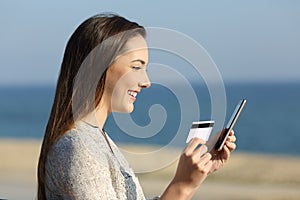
pixel 193 167
pixel 219 158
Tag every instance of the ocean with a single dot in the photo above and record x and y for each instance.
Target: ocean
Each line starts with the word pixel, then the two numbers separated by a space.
pixel 268 124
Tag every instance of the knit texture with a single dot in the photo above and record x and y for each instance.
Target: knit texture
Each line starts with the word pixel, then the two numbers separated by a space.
pixel 81 165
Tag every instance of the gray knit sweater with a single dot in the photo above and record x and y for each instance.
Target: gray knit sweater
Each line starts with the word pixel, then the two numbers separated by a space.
pixel 81 166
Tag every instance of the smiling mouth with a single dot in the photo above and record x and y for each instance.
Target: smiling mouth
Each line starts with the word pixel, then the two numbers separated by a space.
pixel 132 93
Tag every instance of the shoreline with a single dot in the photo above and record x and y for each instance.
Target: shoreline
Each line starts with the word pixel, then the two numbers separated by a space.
pixel 246 176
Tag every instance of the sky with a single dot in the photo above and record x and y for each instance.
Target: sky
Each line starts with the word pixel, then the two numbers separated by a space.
pixel 250 41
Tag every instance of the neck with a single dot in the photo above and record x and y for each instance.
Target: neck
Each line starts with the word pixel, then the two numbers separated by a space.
pixel 97 117
pixel 101 115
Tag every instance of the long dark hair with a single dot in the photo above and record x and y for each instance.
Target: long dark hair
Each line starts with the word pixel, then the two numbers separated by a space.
pixel 94 45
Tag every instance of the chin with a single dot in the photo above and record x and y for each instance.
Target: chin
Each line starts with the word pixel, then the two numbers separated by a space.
pixel 130 108
pixel 124 109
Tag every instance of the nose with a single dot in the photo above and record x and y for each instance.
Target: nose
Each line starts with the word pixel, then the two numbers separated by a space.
pixel 145 83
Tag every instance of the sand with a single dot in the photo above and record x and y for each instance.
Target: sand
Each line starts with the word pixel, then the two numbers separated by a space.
pixel 246 176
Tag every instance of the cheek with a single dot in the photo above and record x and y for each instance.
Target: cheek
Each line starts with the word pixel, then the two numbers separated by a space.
pixel 128 81
pixel 117 87
pixel 131 79
pixel 113 78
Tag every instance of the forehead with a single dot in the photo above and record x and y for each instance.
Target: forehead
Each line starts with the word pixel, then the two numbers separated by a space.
pixel 136 43
pixel 136 48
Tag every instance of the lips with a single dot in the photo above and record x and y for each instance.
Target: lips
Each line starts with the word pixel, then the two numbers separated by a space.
pixel 132 94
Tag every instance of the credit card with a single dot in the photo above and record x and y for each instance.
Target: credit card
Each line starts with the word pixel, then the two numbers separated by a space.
pixel 200 129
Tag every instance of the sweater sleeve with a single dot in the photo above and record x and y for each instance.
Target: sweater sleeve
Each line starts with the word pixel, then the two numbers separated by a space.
pixel 73 172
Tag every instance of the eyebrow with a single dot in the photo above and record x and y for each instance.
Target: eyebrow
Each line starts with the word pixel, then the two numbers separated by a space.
pixel 139 60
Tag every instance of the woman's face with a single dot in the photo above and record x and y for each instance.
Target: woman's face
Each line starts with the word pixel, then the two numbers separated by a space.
pixel 126 76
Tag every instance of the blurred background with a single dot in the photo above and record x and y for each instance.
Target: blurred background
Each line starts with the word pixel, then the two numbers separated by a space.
pixel 255 45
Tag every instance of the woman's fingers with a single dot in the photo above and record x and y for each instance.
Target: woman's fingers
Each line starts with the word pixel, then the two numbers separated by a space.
pixel 230 142
pixel 228 147
pixel 208 166
pixel 226 153
pixel 200 151
pixel 231 146
pixel 204 164
pixel 205 158
pixel 231 134
pixel 231 138
pixel 198 155
pixel 189 149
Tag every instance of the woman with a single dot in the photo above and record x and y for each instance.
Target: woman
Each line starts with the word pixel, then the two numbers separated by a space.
pixel 103 69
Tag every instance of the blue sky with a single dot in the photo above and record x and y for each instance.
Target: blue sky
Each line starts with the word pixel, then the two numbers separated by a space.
pixel 248 40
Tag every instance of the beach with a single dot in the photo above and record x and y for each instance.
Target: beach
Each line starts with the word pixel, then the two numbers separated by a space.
pixel 247 175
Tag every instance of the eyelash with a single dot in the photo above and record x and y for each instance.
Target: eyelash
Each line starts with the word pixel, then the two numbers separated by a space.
pixel 136 67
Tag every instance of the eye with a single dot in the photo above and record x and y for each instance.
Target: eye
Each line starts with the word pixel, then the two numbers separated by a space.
pixel 136 67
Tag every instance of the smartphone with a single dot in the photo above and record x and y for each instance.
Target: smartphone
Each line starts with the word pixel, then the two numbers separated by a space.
pixel 227 129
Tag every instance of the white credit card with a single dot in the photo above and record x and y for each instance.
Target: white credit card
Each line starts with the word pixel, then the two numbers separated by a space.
pixel 200 129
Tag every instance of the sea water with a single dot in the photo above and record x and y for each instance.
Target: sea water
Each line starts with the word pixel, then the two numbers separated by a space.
pixel 268 124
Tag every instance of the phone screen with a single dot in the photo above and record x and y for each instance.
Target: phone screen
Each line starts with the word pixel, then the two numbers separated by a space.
pixel 227 129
